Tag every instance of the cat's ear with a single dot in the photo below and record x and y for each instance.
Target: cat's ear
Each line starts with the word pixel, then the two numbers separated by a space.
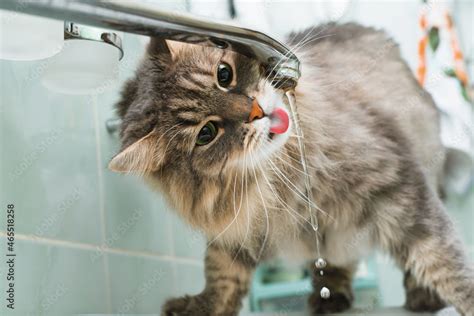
pixel 159 45
pixel 142 157
pixel 175 47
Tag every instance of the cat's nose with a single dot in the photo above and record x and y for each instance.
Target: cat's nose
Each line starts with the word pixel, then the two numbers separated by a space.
pixel 256 112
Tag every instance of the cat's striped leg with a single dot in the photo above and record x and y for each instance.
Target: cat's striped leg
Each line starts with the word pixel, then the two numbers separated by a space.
pixel 339 281
pixel 228 275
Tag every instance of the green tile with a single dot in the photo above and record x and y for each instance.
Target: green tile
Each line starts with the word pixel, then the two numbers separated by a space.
pixel 48 157
pixel 189 279
pixel 188 242
pixel 390 281
pixel 460 209
pixel 139 284
pixel 56 280
pixel 136 217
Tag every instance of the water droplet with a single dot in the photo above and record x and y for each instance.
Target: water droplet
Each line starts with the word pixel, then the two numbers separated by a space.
pixel 321 272
pixel 325 293
pixel 320 263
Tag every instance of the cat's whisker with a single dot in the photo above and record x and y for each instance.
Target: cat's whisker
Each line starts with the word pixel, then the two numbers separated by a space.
pixel 170 140
pixel 233 195
pixel 235 212
pixel 307 119
pixel 267 229
pixel 281 152
pixel 244 174
pixel 268 182
pixel 294 48
pixel 285 180
pixel 286 207
pixel 247 201
pixel 227 227
pixel 169 130
pixel 325 166
pixel 165 133
pixel 234 204
pixel 315 157
pixel 290 51
pixel 300 45
pixel 297 192
pixel 290 165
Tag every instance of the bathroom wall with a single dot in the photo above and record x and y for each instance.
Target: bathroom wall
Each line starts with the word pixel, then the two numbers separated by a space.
pixel 88 240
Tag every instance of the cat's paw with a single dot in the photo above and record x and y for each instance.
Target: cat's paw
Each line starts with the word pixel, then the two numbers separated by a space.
pixel 336 303
pixel 422 300
pixel 186 306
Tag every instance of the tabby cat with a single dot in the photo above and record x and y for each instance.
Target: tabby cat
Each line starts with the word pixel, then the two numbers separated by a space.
pixel 206 128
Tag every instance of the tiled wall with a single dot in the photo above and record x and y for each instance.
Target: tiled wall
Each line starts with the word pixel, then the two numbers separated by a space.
pixel 88 240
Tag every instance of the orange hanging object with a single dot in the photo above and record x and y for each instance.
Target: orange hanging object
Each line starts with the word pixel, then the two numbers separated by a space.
pixel 422 46
pixel 422 43
pixel 459 67
pixel 423 22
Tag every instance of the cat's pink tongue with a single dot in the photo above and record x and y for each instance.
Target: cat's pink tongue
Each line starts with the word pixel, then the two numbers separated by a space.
pixel 280 121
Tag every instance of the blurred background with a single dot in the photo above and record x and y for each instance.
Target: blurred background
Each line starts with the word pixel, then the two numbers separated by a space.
pixel 91 241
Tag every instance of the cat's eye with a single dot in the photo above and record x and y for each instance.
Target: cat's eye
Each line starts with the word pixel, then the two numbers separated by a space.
pixel 224 75
pixel 206 134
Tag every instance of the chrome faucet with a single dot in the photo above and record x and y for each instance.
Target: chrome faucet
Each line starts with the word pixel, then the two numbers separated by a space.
pixel 144 19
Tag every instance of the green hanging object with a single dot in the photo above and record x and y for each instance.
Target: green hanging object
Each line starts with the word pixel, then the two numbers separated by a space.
pixel 464 92
pixel 433 37
pixel 450 72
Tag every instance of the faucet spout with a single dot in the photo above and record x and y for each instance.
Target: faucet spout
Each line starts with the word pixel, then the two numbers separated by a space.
pixel 144 19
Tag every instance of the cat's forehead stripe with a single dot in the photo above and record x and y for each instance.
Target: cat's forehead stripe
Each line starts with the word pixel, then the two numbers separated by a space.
pixel 196 80
pixel 200 71
pixel 181 104
pixel 191 83
pixel 190 117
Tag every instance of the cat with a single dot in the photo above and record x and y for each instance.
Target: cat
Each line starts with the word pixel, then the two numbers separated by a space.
pixel 207 129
